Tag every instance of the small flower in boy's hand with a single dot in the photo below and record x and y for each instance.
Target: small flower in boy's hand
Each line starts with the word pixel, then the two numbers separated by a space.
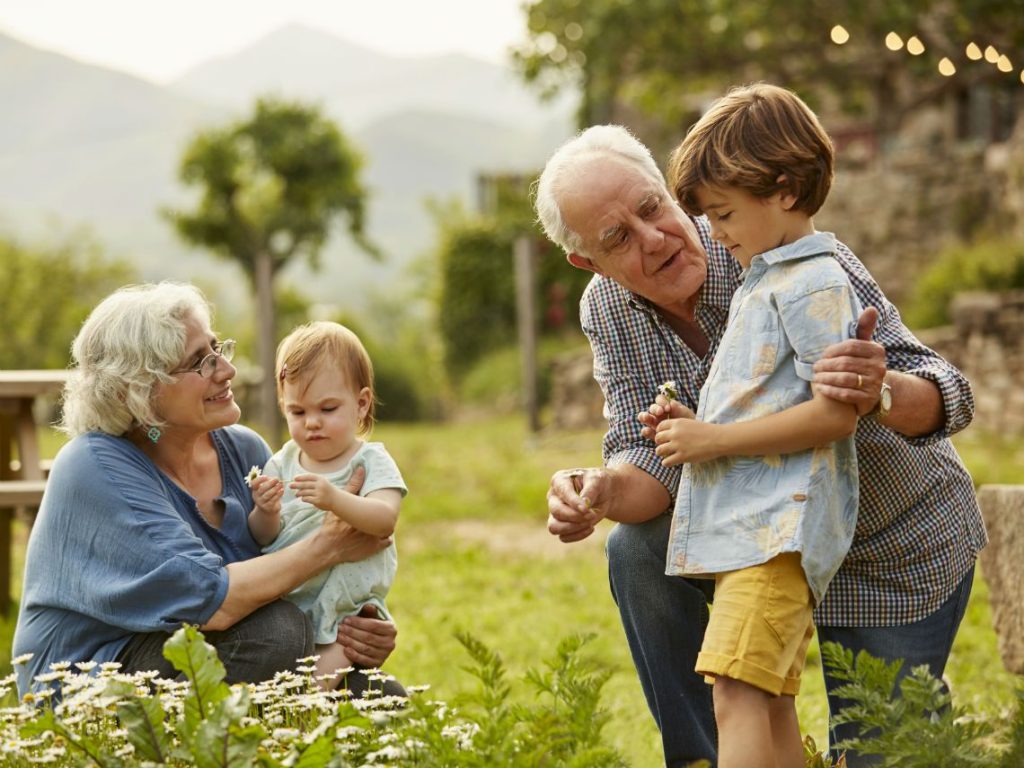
pixel 668 390
pixel 250 478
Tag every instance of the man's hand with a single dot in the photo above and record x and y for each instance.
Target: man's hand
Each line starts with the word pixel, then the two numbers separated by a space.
pixel 852 371
pixel 576 500
pixel 367 639
pixel 660 410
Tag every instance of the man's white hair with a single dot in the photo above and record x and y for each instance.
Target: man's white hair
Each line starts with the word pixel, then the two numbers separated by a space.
pixel 125 348
pixel 568 162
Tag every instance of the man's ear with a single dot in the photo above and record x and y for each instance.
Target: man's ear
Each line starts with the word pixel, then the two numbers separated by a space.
pixel 582 262
pixel 786 195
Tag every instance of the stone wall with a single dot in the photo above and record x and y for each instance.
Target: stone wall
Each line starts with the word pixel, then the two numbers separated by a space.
pixel 986 342
pixel 1002 506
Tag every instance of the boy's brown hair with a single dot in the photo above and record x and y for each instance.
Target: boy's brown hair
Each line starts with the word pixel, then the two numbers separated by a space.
pixel 748 139
pixel 309 348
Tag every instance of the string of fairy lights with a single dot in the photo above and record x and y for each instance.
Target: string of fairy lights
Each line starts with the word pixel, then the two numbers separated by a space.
pixel 945 65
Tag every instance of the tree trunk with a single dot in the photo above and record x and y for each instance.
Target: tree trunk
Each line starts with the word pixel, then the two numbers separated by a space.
pixel 269 417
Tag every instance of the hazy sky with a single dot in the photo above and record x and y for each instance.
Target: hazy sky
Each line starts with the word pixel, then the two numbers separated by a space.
pixel 159 40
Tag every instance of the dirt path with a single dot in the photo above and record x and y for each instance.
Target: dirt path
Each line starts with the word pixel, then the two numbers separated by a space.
pixel 509 538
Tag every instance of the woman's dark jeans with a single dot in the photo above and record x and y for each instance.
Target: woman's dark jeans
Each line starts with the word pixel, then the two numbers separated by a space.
pixel 267 641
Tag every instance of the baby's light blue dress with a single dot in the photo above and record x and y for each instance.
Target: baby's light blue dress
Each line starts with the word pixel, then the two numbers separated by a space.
pixel 340 591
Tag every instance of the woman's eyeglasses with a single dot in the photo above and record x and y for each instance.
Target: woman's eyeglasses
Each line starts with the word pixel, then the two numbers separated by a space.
pixel 208 365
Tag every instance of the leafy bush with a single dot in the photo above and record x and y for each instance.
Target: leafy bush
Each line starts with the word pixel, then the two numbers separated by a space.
pixel 988 265
pixel 47 293
pixel 496 379
pixel 477 294
pixel 921 728
pixel 114 720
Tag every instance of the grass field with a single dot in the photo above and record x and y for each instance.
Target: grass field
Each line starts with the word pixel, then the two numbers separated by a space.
pixel 475 556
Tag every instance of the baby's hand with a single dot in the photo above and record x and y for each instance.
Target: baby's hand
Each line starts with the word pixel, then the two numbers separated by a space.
pixel 267 493
pixel 314 489
pixel 662 409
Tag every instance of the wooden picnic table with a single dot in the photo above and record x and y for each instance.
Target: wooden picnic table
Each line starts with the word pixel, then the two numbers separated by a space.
pixel 21 484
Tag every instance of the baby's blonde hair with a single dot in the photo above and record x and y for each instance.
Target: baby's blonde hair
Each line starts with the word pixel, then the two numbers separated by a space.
pixel 748 139
pixel 310 348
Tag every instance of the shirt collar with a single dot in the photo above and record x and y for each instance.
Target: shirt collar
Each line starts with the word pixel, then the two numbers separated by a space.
pixel 809 245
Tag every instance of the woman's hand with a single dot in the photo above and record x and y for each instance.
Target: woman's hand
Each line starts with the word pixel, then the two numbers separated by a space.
pixel 367 639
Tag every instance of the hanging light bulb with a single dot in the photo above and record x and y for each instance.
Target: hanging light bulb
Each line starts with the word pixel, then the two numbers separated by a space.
pixel 946 67
pixel 973 51
pixel 914 46
pixel 839 34
pixel 991 55
pixel 1004 64
pixel 893 41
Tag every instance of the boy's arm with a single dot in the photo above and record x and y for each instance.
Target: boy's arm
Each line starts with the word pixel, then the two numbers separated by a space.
pixel 813 423
pixel 375 514
pixel 265 517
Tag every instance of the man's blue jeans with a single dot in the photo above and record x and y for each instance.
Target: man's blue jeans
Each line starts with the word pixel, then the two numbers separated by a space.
pixel 665 618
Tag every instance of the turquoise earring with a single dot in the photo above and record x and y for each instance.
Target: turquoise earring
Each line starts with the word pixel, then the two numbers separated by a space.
pixel 153 433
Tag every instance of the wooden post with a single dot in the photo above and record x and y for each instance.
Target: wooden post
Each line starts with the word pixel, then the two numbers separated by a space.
pixel 526 314
pixel 268 417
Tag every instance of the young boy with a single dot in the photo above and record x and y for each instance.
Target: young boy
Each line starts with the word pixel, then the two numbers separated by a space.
pixel 768 498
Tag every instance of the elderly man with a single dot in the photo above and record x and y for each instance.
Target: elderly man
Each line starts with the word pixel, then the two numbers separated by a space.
pixel 655 312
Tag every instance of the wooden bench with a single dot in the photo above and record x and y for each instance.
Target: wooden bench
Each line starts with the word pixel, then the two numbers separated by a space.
pixel 14 495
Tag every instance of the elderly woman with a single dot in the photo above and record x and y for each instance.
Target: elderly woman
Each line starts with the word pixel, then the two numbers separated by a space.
pixel 143 526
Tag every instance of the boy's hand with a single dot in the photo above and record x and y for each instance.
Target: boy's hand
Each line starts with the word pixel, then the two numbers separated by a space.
pixel 685 441
pixel 316 490
pixel 267 493
pixel 660 410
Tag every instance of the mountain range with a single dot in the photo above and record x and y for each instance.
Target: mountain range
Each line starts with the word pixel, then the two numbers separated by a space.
pixel 86 145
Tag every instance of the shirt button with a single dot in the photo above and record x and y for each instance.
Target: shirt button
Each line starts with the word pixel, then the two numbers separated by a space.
pixel 799 497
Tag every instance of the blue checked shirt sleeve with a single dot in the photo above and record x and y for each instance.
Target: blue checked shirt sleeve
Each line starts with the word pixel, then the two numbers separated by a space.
pixel 905 353
pixel 625 365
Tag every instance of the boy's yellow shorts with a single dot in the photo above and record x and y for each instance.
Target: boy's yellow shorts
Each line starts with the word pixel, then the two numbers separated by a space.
pixel 760 626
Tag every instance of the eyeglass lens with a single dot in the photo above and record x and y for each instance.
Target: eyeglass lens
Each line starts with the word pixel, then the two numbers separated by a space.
pixel 208 365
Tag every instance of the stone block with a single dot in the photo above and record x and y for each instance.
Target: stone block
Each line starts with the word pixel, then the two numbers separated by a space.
pixel 1002 565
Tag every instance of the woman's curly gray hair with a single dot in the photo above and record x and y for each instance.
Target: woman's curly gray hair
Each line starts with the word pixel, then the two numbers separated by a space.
pixel 565 165
pixel 124 350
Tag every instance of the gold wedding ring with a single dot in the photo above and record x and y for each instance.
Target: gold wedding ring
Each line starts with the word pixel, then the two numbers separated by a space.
pixel 860 381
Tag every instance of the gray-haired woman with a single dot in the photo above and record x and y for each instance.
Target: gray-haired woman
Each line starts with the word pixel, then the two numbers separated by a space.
pixel 143 525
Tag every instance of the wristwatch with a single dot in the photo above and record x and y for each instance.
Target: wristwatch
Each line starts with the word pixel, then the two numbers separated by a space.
pixel 884 404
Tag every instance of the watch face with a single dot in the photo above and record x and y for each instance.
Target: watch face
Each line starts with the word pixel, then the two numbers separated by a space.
pixel 885 399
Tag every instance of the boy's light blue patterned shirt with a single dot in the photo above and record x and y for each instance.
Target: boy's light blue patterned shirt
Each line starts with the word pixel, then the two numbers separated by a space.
pixel 738 511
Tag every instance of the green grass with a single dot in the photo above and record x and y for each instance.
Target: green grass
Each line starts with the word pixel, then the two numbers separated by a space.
pixel 475 556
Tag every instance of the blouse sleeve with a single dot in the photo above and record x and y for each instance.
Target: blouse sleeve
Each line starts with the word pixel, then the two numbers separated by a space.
pixel 118 542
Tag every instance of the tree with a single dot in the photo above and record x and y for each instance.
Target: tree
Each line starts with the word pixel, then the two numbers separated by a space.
pixel 272 186
pixel 633 60
pixel 48 291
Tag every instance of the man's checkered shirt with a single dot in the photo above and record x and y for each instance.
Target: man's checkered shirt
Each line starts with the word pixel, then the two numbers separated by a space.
pixel 919 528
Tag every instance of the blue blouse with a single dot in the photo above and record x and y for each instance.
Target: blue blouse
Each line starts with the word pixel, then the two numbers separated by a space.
pixel 118 549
